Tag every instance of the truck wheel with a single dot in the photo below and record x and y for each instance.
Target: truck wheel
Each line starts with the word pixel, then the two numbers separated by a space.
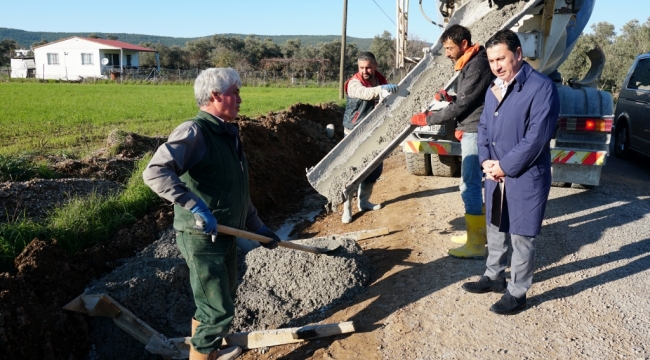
pixel 445 166
pixel 418 164
pixel 622 142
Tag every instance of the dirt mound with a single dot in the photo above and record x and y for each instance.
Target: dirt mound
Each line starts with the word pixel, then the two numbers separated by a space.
pixel 279 147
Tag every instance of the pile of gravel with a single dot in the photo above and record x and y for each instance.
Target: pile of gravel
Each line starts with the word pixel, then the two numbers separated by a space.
pixel 278 288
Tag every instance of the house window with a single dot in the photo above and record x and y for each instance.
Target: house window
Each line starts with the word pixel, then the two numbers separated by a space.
pixel 113 59
pixel 86 59
pixel 128 60
pixel 52 58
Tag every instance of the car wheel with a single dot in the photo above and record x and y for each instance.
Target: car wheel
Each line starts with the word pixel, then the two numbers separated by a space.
pixel 622 141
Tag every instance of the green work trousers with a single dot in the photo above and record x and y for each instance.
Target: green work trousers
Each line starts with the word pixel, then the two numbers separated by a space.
pixel 213 277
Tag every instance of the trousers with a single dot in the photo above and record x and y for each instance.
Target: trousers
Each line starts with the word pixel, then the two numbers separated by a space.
pixel 213 278
pixel 471 176
pixel 522 264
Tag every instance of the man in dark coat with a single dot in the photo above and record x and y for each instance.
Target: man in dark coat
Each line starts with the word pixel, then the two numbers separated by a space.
pixel 517 124
pixel 474 79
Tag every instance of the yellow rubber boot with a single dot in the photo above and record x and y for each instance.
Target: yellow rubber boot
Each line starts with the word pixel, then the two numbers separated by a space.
pixel 462 239
pixel 459 239
pixel 474 248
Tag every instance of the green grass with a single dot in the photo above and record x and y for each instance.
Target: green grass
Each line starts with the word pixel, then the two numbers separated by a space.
pixel 60 118
pixel 21 168
pixel 82 221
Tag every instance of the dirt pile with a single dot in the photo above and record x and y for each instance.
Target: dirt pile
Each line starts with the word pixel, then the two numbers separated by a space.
pixel 277 288
pixel 279 147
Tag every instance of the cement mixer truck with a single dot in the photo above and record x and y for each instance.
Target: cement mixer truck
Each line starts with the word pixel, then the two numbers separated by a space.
pixel 549 29
pixel 548 32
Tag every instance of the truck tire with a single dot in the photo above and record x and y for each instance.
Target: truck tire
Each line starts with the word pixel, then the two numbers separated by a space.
pixel 418 164
pixel 445 166
pixel 622 141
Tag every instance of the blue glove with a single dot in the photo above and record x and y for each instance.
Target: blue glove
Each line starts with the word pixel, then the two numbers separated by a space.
pixel 264 231
pixel 209 221
pixel 391 88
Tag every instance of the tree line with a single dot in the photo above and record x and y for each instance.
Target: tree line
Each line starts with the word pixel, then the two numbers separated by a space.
pixel 620 50
pixel 254 53
pixel 250 53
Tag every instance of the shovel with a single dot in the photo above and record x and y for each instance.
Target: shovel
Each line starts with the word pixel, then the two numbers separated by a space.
pixel 263 239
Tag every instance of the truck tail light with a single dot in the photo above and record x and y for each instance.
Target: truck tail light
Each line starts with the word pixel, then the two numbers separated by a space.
pixel 586 124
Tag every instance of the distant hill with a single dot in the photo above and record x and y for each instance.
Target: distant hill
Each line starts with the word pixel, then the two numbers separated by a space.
pixel 27 38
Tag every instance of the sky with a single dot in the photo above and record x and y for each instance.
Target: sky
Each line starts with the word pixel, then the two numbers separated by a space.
pixel 196 18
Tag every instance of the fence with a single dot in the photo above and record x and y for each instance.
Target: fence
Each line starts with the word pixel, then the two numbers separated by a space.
pixel 248 77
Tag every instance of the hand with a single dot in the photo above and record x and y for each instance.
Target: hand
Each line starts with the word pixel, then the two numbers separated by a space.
pixel 492 170
pixel 391 88
pixel 203 215
pixel 264 231
pixel 441 95
pixel 419 119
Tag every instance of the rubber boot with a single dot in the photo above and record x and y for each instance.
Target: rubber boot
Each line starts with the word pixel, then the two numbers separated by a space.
pixel 346 218
pixel 462 239
pixel 365 190
pixel 476 239
pixel 228 353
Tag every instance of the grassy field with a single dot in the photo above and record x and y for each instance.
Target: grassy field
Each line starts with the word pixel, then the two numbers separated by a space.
pixel 73 119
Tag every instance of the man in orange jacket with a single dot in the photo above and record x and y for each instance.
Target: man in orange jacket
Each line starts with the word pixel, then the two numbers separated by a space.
pixel 472 83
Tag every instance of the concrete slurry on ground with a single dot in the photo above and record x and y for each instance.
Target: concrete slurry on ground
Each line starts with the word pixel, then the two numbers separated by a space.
pixel 277 288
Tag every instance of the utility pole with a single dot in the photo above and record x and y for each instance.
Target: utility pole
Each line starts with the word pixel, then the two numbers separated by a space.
pixel 343 36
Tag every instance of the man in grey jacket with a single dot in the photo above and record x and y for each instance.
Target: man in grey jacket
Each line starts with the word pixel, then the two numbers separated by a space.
pixel 202 169
pixel 474 79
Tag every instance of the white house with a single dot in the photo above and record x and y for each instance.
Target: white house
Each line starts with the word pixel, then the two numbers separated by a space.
pixel 78 57
pixel 22 64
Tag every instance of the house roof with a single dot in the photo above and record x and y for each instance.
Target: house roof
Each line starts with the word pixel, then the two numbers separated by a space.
pixel 110 43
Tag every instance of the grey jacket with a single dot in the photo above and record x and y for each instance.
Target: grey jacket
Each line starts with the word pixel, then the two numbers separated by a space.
pixel 472 83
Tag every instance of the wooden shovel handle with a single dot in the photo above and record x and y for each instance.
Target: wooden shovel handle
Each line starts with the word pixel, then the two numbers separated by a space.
pixel 263 239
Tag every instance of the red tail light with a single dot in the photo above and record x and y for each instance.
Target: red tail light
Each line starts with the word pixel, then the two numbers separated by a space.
pixel 585 124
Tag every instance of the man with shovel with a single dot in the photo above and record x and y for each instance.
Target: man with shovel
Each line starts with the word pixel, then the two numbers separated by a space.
pixel 473 81
pixel 363 91
pixel 203 171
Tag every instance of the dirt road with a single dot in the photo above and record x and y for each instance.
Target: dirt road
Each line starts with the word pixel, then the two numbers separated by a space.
pixel 589 297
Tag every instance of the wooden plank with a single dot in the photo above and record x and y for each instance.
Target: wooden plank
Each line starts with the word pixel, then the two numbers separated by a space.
pixel 367 234
pixel 264 338
pixel 106 306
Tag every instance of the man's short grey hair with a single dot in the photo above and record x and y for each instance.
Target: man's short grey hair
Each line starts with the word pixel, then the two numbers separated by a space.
pixel 214 80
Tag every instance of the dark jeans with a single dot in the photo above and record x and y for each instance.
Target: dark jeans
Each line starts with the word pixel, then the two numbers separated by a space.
pixel 213 277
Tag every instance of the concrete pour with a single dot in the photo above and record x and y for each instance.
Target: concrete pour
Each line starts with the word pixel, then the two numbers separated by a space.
pixel 438 72
pixel 278 288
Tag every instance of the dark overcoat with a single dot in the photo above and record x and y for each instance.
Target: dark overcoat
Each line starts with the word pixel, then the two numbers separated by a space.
pixel 516 130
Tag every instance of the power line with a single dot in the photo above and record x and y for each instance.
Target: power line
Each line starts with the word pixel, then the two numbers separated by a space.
pixel 382 10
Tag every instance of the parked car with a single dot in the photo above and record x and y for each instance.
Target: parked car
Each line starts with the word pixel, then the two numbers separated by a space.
pixel 632 115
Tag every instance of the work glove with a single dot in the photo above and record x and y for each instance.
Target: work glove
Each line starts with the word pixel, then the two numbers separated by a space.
pixel 419 119
pixel 441 95
pixel 391 88
pixel 209 221
pixel 264 231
